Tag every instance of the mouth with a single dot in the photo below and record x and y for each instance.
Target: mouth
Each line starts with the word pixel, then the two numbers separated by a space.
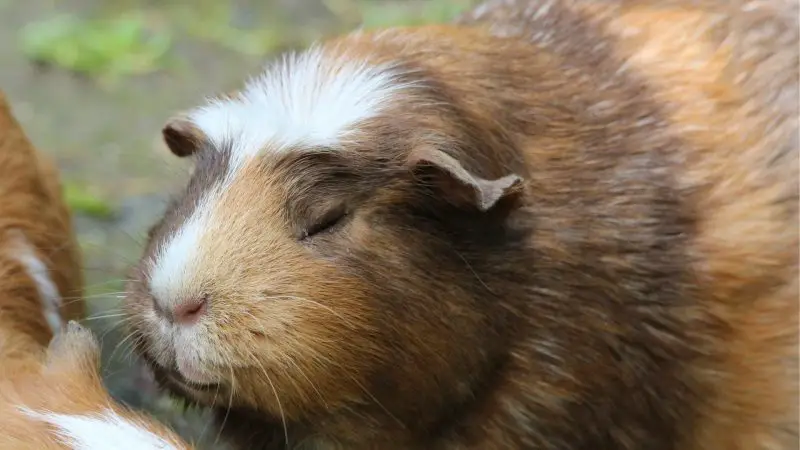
pixel 173 381
pixel 175 377
pixel 196 393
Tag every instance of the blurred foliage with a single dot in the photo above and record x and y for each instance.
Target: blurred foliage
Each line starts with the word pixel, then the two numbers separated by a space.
pixel 398 13
pixel 370 14
pixel 82 200
pixel 123 44
pixel 213 23
pixel 106 48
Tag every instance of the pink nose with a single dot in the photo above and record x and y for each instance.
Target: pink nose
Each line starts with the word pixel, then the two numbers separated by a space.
pixel 190 311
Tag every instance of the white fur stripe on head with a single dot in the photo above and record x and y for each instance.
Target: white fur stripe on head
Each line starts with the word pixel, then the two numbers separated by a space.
pixel 314 98
pixel 23 251
pixel 310 98
pixel 171 276
pixel 101 431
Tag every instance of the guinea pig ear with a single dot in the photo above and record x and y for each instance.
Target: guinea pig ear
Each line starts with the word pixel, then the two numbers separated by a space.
pixel 182 136
pixel 74 349
pixel 461 186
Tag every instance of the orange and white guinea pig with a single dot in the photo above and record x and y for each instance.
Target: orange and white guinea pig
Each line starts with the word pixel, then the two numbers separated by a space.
pixel 60 403
pixel 51 396
pixel 549 225
pixel 41 283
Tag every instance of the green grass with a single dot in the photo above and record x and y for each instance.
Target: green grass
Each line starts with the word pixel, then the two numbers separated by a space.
pixel 82 200
pixel 106 48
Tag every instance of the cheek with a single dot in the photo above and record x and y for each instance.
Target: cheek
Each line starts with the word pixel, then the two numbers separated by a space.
pixel 239 332
pixel 326 313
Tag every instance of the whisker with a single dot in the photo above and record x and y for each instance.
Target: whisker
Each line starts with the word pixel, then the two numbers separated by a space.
pixel 105 316
pixel 229 406
pixel 317 355
pixel 288 359
pixel 120 344
pixel 96 296
pixel 277 400
pixel 315 303
pixel 213 404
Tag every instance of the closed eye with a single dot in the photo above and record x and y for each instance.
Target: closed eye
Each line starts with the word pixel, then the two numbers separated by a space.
pixel 326 223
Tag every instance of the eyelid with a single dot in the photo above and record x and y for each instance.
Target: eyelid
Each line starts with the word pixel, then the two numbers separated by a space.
pixel 325 222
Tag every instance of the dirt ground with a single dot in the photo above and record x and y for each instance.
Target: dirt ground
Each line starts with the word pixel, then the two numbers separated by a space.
pixel 105 137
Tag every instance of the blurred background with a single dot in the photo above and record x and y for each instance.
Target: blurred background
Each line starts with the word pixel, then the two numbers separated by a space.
pixel 92 82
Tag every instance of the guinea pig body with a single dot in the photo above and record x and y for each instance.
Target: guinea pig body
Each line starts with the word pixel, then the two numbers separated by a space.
pixel 555 225
pixel 51 395
pixel 60 403
pixel 41 284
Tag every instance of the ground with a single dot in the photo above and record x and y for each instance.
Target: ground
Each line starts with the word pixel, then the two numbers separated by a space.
pixel 93 81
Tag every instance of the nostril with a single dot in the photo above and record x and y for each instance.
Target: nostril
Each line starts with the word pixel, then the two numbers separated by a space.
pixel 190 311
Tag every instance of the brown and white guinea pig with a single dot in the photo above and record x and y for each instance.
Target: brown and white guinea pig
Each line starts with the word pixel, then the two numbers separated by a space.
pixel 63 405
pixel 551 225
pixel 51 395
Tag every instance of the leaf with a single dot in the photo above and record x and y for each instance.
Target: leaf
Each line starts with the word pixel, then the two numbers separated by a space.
pixel 113 47
pixel 79 199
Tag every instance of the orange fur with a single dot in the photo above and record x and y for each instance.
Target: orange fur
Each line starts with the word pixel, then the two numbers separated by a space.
pixel 64 378
pixel 65 382
pixel 33 206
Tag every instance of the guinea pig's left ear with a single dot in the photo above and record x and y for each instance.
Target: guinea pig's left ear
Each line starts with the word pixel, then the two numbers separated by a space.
pixel 182 136
pixel 459 185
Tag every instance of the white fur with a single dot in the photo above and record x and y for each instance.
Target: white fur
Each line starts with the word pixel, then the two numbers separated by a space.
pixel 24 252
pixel 305 99
pixel 101 431
pixel 171 274
pixel 302 99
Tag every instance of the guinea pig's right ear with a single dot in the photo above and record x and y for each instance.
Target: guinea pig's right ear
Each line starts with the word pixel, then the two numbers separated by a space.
pixel 182 136
pixel 75 349
pixel 460 186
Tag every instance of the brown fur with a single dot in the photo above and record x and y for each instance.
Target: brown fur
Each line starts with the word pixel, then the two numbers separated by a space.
pixel 641 292
pixel 64 377
pixel 32 204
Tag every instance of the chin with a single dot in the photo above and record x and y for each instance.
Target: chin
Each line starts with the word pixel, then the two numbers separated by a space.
pixel 171 380
pixel 242 426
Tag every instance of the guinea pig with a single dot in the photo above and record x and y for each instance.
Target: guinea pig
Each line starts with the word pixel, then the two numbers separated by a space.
pixel 41 283
pixel 51 395
pixel 547 225
pixel 62 405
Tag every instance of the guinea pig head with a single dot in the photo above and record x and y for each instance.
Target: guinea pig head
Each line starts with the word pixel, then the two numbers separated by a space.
pixel 326 249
